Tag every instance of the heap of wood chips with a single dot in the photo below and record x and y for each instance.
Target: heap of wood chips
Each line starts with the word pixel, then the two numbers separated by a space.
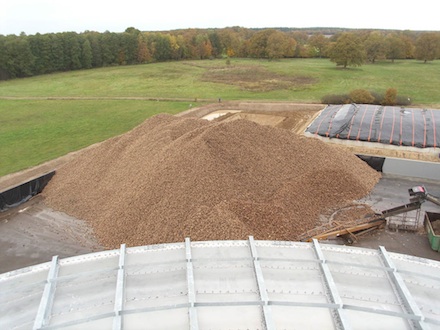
pixel 171 178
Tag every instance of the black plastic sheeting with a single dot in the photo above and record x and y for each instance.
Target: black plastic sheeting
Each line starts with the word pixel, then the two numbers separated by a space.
pixel 22 193
pixel 384 124
pixel 374 162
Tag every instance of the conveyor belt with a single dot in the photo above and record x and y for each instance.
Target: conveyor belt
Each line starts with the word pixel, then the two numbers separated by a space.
pixel 351 228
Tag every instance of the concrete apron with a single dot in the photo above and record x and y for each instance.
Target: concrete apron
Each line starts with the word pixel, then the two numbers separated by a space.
pixel 412 168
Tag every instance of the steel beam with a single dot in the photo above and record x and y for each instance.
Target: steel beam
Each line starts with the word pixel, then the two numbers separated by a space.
pixel 193 319
pixel 331 286
pixel 46 301
pixel 267 310
pixel 119 294
pixel 402 290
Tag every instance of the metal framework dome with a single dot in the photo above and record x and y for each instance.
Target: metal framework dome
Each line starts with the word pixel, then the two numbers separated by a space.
pixel 247 284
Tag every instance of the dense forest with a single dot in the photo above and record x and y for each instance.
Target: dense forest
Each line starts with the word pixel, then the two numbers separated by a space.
pixel 29 55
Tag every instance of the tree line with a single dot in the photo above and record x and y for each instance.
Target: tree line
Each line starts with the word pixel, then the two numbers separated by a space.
pixel 29 55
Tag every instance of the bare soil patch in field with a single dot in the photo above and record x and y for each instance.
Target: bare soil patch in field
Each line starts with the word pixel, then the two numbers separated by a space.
pixel 255 78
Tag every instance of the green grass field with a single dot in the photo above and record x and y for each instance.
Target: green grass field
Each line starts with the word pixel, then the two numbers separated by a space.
pixel 32 132
pixel 36 130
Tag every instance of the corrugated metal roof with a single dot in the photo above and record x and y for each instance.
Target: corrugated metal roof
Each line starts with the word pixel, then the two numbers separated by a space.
pixel 247 284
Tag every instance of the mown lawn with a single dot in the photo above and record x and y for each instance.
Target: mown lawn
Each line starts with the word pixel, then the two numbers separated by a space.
pixel 33 131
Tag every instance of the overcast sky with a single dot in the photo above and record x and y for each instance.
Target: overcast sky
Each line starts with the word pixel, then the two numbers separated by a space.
pixel 46 16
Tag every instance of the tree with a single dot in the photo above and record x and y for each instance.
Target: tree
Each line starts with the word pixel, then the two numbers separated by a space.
pixel 143 54
pixel 19 60
pixel 128 45
pixel 428 47
pixel 86 54
pixel 258 43
pixel 175 48
pixel 317 44
pixel 72 51
pixel 57 52
pixel 95 44
pixel 203 46
pixel 161 47
pixel 279 45
pixel 230 42
pixel 291 47
pixel 374 46
pixel 180 48
pixel 214 39
pixel 347 51
pixel 41 49
pixel 189 49
pixel 408 46
pixel 4 74
pixel 207 49
pixel 24 55
pixel 395 47
pixel 109 48
pixel 272 44
pixel 301 39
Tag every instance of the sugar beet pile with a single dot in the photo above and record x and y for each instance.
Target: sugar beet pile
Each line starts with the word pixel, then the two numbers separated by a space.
pixel 171 178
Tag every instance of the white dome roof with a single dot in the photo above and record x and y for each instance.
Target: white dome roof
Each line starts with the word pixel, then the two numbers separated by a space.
pixel 248 284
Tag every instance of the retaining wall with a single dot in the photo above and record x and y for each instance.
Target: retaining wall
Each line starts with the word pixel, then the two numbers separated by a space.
pixel 404 167
pixel 20 194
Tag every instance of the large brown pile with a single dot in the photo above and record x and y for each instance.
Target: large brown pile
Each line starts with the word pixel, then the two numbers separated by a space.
pixel 172 178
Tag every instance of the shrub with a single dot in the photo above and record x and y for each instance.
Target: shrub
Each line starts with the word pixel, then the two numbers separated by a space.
pixel 390 97
pixel 361 96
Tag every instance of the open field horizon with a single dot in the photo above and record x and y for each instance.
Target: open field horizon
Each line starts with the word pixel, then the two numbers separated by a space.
pixel 44 117
pixel 301 80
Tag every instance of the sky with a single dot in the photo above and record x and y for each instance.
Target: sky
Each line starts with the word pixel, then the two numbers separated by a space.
pixel 51 16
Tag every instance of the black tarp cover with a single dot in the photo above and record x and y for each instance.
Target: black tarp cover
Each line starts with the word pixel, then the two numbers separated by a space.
pixel 375 162
pixel 20 194
pixel 374 123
